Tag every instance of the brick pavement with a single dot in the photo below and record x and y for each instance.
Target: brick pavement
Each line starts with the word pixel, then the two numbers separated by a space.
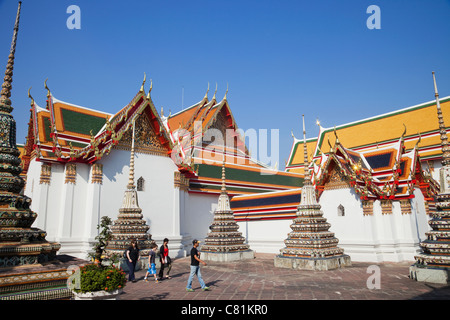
pixel 258 279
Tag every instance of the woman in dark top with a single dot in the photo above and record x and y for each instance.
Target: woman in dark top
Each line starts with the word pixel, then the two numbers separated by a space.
pixel 164 259
pixel 132 258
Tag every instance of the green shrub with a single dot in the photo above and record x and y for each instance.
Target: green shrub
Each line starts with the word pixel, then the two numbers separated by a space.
pixel 95 277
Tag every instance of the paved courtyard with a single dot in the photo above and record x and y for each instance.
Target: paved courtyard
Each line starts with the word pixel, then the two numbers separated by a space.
pixel 258 279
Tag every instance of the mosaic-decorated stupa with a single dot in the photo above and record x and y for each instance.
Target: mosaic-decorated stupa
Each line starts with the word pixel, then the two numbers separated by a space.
pixel 130 223
pixel 20 244
pixel 310 246
pixel 225 242
pixel 433 263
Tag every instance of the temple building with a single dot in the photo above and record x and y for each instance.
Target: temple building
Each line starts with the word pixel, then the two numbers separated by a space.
pixel 375 186
pixel 76 160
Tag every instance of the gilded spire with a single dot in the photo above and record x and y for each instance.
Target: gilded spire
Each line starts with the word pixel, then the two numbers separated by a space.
pixel 223 189
pixel 224 201
pixel 131 174
pixel 307 179
pixel 443 131
pixel 5 102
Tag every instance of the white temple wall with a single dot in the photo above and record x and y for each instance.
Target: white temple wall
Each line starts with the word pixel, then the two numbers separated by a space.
pixel 70 213
pixel 265 236
pixel 377 237
pixel 198 217
pixel 159 209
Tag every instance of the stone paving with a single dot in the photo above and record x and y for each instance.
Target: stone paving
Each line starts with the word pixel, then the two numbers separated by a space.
pixel 258 279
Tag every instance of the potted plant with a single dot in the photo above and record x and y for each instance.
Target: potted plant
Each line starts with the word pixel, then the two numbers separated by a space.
pixel 100 282
pixel 101 279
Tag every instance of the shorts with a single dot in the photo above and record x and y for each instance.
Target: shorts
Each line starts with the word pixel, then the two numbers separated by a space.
pixel 152 269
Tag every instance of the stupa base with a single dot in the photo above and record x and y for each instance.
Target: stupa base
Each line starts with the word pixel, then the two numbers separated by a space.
pixel 318 264
pixel 429 274
pixel 227 256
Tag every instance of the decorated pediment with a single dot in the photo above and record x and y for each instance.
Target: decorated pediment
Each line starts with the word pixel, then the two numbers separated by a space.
pixel 146 139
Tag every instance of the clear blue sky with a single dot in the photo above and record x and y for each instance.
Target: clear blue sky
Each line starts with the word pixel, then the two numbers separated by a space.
pixel 281 59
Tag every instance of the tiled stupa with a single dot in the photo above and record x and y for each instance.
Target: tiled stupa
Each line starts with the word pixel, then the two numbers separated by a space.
pixel 225 242
pixel 433 263
pixel 310 246
pixel 20 244
pixel 30 269
pixel 130 223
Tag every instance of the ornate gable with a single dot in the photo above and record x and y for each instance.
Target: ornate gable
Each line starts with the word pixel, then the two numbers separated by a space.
pixel 146 139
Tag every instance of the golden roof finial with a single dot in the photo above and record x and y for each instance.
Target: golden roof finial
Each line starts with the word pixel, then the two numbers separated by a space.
pixel 29 96
pixel 335 134
pixel 206 94
pixel 225 97
pixel 150 90
pixel 46 87
pixel 143 82
pixel 214 97
pixel 418 141
pixel 162 112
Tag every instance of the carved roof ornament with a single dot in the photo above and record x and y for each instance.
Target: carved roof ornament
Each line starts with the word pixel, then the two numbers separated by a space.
pixel 150 90
pixel 143 82
pixel 225 97
pixel 206 94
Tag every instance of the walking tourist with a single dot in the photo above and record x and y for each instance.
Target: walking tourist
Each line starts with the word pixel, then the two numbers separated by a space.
pixel 165 260
pixel 151 262
pixel 133 257
pixel 195 267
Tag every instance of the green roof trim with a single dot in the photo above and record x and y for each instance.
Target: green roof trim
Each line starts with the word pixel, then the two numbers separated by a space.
pixel 196 185
pixel 210 171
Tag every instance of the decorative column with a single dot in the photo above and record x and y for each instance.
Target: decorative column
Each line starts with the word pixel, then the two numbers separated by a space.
pixel 224 242
pixel 130 223
pixel 93 192
pixel 433 263
pixel 310 246
pixel 19 243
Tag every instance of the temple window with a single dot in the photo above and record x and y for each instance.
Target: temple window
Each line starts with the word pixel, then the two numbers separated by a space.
pixel 341 210
pixel 140 184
